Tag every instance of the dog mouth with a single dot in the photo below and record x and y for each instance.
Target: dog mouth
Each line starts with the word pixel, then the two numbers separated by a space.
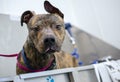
pixel 51 49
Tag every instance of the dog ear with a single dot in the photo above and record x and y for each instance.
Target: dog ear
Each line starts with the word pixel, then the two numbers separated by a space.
pixel 26 16
pixel 51 9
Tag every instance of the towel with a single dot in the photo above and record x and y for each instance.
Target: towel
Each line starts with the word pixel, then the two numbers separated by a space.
pixel 108 71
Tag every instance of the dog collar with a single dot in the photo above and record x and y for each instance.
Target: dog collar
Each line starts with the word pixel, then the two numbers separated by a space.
pixel 28 68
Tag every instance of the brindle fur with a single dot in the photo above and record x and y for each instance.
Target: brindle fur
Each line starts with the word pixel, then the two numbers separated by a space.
pixel 39 27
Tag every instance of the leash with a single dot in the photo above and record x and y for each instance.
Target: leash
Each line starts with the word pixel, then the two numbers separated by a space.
pixel 10 55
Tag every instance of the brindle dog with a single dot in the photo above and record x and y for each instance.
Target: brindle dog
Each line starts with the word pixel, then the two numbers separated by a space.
pixel 46 34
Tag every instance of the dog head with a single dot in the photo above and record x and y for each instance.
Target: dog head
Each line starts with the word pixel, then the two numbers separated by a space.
pixel 46 31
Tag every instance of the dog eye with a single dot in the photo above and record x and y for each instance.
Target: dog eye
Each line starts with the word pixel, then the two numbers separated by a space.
pixel 58 27
pixel 36 28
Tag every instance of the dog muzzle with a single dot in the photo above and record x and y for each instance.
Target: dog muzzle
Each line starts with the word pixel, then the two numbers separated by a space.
pixel 50 45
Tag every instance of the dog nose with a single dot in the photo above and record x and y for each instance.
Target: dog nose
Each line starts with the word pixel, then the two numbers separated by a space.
pixel 49 41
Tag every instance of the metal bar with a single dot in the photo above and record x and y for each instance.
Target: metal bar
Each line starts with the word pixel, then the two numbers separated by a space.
pixel 46 73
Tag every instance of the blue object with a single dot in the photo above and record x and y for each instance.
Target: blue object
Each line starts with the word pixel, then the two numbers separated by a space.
pixel 80 63
pixel 75 53
pixel 95 62
pixel 50 79
pixel 68 28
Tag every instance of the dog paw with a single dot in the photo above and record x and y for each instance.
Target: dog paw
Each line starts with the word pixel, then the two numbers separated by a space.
pixel 50 79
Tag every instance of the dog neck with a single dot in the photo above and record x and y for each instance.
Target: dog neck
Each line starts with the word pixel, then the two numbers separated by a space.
pixel 37 59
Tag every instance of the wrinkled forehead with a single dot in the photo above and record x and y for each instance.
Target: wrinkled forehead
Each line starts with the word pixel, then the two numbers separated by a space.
pixel 46 18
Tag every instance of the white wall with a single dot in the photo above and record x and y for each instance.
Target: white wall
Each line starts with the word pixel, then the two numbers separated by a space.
pixel 100 18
